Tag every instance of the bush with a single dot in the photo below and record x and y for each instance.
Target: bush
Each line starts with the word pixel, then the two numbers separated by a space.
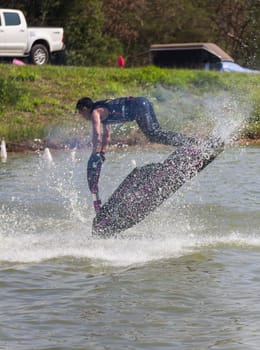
pixel 35 99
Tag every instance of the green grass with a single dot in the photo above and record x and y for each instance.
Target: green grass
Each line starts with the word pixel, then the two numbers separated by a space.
pixel 37 100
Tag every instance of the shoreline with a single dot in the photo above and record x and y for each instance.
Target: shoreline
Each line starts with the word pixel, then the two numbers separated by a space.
pixel 39 145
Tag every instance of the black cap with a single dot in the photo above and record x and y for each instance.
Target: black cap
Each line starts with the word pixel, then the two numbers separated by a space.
pixel 84 102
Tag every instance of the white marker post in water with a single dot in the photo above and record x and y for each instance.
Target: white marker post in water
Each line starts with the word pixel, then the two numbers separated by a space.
pixel 47 155
pixel 3 153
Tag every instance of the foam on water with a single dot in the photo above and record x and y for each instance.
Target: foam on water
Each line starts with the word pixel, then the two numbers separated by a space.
pixel 25 241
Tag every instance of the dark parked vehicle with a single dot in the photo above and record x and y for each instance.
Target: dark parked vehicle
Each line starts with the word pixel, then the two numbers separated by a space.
pixel 194 56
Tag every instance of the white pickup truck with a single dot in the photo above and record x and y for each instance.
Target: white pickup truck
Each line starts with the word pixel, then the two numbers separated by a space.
pixel 18 40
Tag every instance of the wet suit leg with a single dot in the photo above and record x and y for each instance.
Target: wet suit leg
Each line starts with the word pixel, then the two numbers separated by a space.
pixel 148 123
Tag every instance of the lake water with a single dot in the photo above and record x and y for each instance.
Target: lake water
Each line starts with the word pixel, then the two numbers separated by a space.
pixel 186 278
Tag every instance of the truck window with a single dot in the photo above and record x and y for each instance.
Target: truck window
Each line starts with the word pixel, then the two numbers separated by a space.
pixel 12 19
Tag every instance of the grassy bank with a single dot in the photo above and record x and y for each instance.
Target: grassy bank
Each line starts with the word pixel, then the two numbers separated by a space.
pixel 39 102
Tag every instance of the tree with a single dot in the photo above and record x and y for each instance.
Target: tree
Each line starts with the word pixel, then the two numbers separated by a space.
pixel 86 42
pixel 165 21
pixel 236 26
pixel 98 31
pixel 123 20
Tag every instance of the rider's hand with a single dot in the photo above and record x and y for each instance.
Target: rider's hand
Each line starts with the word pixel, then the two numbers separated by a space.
pixel 101 155
pixel 96 160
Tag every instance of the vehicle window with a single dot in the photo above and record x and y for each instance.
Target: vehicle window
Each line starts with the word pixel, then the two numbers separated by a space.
pixel 216 66
pixel 12 19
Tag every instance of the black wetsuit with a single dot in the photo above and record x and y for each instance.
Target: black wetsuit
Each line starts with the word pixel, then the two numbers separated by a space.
pixel 140 109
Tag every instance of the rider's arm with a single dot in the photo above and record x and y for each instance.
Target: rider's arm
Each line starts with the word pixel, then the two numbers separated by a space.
pixel 99 142
pixel 105 138
pixel 96 136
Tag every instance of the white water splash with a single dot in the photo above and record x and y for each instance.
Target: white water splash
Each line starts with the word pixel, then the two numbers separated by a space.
pixel 28 238
pixel 229 115
pixel 223 114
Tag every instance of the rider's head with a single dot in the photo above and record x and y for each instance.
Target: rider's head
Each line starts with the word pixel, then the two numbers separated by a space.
pixel 84 102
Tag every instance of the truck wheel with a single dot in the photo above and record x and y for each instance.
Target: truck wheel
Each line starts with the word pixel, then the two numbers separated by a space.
pixel 39 54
